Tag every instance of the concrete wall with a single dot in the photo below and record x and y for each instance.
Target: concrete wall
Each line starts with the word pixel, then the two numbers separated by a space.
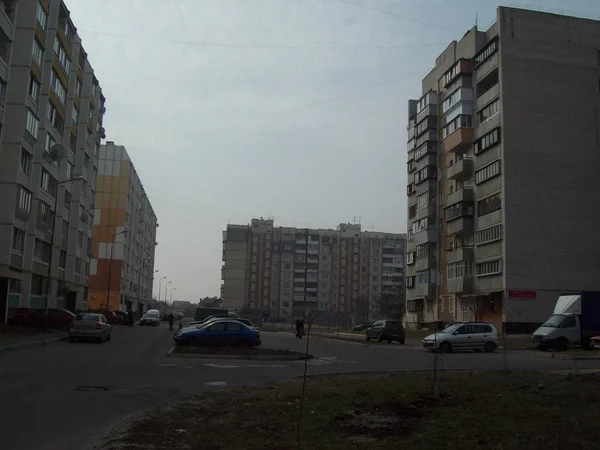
pixel 550 114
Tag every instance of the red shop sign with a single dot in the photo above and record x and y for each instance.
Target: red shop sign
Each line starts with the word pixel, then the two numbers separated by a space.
pixel 522 294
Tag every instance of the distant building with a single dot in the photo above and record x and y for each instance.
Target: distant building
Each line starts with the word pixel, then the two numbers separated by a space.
pixel 124 236
pixel 181 304
pixel 211 302
pixel 287 272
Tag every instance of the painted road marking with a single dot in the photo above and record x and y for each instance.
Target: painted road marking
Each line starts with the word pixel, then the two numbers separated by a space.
pixel 222 366
pixel 326 360
pixel 215 383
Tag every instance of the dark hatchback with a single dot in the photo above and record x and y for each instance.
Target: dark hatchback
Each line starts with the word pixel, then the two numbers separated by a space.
pixel 386 330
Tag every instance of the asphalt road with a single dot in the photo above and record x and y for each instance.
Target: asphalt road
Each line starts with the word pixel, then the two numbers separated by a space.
pixel 42 409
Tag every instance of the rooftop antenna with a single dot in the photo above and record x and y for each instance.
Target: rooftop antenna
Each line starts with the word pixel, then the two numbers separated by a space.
pixel 359 219
pixel 476 20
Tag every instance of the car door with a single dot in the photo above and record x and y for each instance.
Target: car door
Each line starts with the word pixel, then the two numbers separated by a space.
pixel 213 335
pixel 374 329
pixel 233 334
pixel 459 338
pixel 471 337
pixel 570 329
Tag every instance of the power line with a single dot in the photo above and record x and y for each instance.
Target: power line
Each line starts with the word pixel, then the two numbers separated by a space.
pixel 263 46
pixel 400 16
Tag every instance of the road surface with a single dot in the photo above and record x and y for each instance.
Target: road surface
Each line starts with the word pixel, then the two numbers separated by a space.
pixel 62 396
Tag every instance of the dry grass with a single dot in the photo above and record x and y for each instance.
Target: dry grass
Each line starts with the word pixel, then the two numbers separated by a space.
pixel 508 411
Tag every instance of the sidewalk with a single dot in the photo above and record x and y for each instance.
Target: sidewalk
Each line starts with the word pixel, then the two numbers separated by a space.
pixel 11 340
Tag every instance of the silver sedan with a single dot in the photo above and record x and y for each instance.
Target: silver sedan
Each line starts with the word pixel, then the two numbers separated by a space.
pixel 90 327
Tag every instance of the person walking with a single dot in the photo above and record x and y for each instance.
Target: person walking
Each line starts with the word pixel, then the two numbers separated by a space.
pixel 171 319
pixel 130 318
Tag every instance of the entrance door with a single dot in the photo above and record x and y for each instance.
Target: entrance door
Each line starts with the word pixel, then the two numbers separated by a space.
pixel 71 301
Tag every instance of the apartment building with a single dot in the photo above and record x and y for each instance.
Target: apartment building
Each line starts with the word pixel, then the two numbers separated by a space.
pixel 503 172
pixel 52 128
pixel 286 272
pixel 123 236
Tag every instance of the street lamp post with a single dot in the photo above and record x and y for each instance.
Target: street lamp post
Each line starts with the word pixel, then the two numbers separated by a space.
pixel 51 258
pixel 112 253
pixel 166 290
pixel 159 282
pixel 142 264
pixel 174 289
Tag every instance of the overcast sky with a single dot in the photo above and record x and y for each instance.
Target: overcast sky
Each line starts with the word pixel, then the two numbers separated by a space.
pixel 233 109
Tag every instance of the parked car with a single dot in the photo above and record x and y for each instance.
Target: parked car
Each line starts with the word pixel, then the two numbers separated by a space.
pixel 151 317
pixel 219 333
pixel 213 317
pixel 386 330
pixel 56 318
pixel 464 336
pixel 90 327
pixel 113 318
pixel 246 322
pixel 123 315
pixel 21 316
pixel 361 327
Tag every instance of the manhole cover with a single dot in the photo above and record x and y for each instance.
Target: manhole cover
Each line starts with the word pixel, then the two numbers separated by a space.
pixel 91 388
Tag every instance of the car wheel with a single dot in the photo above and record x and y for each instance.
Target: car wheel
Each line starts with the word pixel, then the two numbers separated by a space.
pixel 389 341
pixel 367 337
pixel 109 336
pixel 489 347
pixel 379 337
pixel 401 341
pixel 445 347
pixel 71 339
pixel 245 343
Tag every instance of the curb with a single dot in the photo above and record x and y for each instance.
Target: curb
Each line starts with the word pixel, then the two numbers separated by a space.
pixel 574 357
pixel 40 343
pixel 246 357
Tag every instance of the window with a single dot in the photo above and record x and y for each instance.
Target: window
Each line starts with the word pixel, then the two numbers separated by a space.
pixel 48 182
pixel 488 172
pixel 426 173
pixel 487 235
pixel 18 240
pixel 486 52
pixel 423 277
pixel 75 115
pixel 422 224
pixel 42 251
pixel 77 265
pixel 45 213
pixel 32 123
pixel 34 88
pixel 69 170
pixel 24 200
pixel 462 209
pixel 78 87
pixel 451 100
pixel 487 141
pixel 424 251
pixel 67 202
pixel 423 200
pixel 429 123
pixel 62 259
pixel 489 111
pixel 37 52
pixel 58 88
pixel 38 285
pixel 460 269
pixel 55 118
pixel 459 122
pixel 65 229
pixel 61 54
pixel 453 73
pixel 488 268
pixel 489 204
pixel 425 149
pixel 26 162
pixel 424 101
pixel 41 16
pixel 50 142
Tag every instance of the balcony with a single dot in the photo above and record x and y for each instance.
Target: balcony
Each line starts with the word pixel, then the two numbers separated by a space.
pixel 460 285
pixel 425 263
pixel 462 225
pixel 458 140
pixel 429 110
pixel 460 169
pixel 427 235
pixel 429 211
pixel 487 96
pixel 423 290
pixel 460 254
pixel 429 159
pixel 487 67
pixel 461 195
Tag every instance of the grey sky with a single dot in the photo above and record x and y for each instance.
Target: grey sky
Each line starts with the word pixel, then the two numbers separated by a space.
pixel 226 132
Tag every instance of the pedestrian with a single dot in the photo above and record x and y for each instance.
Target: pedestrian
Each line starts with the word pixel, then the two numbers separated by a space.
pixel 171 319
pixel 130 318
pixel 297 328
pixel 301 329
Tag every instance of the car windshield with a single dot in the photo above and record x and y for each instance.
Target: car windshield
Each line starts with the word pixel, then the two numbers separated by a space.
pixel 452 328
pixel 554 321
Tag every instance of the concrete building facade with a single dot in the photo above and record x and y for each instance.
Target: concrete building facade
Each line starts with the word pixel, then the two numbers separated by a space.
pixel 503 170
pixel 51 133
pixel 123 237
pixel 286 272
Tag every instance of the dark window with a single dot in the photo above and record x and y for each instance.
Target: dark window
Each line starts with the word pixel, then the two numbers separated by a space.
pixel 487 141
pixel 217 327
pixel 235 327
pixel 489 204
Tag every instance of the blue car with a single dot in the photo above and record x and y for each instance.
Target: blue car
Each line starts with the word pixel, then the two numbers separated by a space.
pixel 221 333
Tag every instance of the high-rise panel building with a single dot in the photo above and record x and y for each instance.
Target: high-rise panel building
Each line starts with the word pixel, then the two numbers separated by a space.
pixel 124 236
pixel 49 143
pixel 503 172
pixel 286 272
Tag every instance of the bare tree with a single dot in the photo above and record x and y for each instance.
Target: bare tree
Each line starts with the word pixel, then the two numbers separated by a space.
pixel 477 311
